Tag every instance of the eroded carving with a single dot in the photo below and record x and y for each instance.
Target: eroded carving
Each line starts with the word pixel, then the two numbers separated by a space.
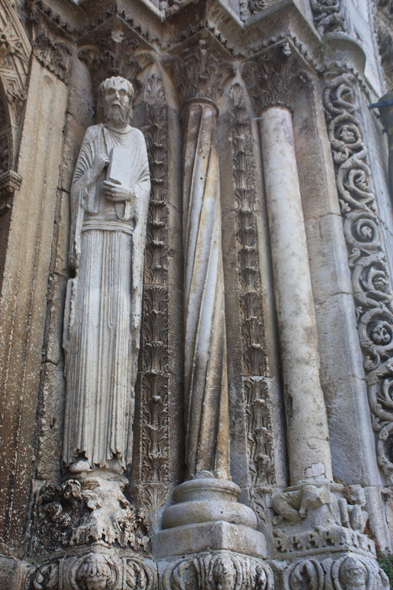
pixel 271 78
pixel 294 505
pixel 200 71
pixel 366 254
pixel 221 570
pixel 116 54
pixel 95 571
pixel 328 16
pixel 155 415
pixel 104 300
pixel 77 514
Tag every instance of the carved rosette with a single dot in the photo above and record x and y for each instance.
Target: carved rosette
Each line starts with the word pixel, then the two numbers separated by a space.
pixel 256 390
pixel 154 338
pixel 221 570
pixel 366 255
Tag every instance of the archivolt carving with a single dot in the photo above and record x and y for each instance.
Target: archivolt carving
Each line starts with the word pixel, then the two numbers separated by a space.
pixel 15 52
pixel 367 258
pixel 222 570
pixel 328 16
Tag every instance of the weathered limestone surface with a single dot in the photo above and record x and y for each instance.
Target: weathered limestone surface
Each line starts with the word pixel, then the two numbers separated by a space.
pixel 200 396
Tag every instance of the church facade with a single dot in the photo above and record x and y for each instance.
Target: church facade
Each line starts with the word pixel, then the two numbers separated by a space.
pixel 196 294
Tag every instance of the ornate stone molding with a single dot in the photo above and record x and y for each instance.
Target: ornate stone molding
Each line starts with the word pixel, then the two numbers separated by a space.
pixel 351 570
pixel 9 183
pixel 256 390
pixel 200 71
pixel 271 78
pixel 218 570
pixel 95 570
pixel 328 16
pixel 366 254
pixel 52 52
pixel 155 425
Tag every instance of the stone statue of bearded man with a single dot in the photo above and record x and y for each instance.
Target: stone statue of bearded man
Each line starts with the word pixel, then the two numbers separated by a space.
pixel 109 202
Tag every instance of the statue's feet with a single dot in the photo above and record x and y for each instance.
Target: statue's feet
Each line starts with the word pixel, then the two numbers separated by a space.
pixel 79 466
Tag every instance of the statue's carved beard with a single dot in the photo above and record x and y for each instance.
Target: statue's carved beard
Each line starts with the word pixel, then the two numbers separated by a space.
pixel 118 115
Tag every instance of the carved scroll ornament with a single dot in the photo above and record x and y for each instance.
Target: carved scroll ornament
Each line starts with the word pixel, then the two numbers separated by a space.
pixel 367 257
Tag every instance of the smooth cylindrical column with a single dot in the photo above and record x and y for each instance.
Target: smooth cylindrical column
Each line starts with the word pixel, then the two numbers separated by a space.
pixel 308 436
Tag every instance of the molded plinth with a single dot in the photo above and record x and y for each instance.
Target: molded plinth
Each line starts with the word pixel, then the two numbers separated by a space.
pixel 209 536
pixel 205 500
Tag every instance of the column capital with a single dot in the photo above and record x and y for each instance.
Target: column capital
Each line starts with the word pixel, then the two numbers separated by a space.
pixel 200 71
pixel 271 78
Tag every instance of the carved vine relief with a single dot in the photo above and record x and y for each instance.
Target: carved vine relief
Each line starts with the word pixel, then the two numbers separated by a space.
pixel 154 346
pixel 257 395
pixel 367 258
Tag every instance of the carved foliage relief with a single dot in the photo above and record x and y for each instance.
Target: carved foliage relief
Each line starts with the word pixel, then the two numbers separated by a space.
pixel 154 345
pixel 350 571
pixel 257 397
pixel 95 570
pixel 221 570
pixel 367 259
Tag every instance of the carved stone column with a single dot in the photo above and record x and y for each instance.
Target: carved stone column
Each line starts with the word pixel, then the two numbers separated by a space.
pixel 307 428
pixel 208 495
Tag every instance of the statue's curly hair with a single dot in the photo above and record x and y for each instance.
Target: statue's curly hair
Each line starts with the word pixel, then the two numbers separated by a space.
pixel 104 86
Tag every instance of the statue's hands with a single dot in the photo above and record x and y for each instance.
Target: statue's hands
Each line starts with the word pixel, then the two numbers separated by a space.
pixel 117 191
pixel 99 163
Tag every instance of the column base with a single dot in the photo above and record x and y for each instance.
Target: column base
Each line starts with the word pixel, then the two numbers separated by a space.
pixel 209 536
pixel 205 500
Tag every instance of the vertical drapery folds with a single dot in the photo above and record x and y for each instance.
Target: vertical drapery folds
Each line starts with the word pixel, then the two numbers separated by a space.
pixel 366 253
pixel 200 74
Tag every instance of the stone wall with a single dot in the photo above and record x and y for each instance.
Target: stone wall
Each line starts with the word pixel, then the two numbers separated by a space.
pixel 258 346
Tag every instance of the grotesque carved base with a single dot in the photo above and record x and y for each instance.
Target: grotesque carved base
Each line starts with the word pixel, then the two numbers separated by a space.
pixel 87 536
pixel 320 541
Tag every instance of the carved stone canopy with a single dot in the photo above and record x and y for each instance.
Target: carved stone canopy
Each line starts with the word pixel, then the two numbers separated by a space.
pixel 117 51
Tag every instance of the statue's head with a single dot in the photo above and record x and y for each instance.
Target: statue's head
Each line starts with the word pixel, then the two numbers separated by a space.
pixel 116 96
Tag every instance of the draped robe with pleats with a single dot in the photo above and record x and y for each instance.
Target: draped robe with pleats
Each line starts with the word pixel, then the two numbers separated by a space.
pixel 103 308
